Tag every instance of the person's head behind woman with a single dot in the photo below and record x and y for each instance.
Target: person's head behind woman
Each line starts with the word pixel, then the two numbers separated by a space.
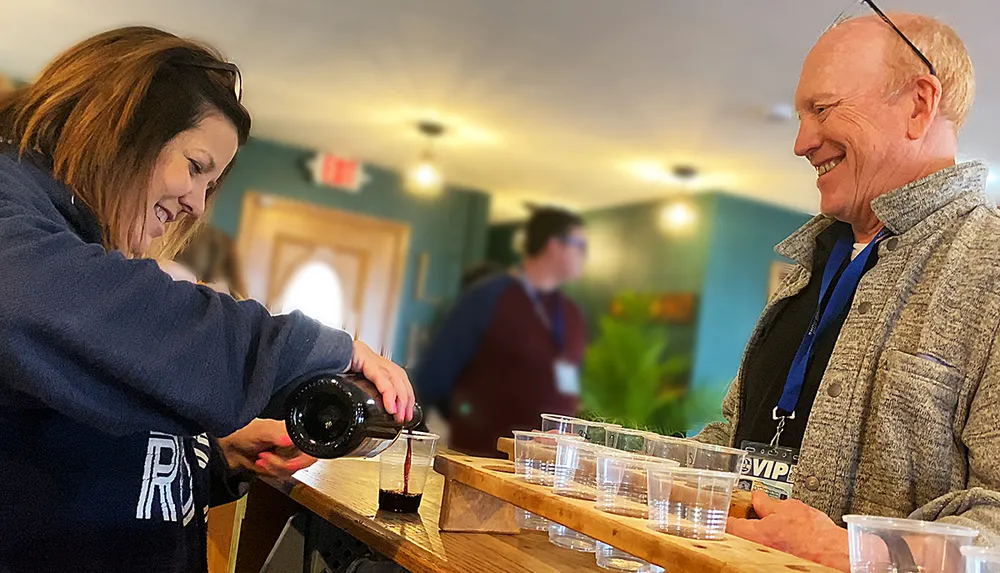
pixel 141 125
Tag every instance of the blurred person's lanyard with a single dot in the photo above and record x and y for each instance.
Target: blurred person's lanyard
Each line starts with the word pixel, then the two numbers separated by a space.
pixel 567 375
pixel 768 467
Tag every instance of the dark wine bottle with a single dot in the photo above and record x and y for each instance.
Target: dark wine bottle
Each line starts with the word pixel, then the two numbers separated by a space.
pixel 334 415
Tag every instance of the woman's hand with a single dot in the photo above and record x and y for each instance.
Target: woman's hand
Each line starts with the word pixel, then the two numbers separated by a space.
pixel 263 447
pixel 391 381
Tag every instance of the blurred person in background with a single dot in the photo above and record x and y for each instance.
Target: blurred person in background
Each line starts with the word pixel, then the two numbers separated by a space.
pixel 479 272
pixel 113 376
pixel 512 346
pixel 877 362
pixel 211 256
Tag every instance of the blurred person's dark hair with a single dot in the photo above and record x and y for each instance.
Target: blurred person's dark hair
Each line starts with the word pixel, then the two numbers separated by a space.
pixel 545 224
pixel 102 111
pixel 479 272
pixel 211 255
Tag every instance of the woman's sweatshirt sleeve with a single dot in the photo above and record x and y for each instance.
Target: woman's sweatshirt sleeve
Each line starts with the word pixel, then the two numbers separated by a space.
pixel 118 345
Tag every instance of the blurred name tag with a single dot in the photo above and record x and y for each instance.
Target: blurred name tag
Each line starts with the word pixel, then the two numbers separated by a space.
pixel 567 378
pixel 768 469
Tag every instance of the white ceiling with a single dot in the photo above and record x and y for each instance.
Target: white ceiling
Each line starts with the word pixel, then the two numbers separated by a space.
pixel 547 100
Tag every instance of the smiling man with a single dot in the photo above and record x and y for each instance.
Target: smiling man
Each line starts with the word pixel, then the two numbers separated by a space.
pixel 875 366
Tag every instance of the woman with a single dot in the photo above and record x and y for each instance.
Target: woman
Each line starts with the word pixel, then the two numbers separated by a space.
pixel 111 373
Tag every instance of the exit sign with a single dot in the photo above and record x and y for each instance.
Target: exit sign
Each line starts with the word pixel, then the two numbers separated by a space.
pixel 337 171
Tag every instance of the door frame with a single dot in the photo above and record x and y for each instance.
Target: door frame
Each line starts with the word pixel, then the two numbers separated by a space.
pixel 254 204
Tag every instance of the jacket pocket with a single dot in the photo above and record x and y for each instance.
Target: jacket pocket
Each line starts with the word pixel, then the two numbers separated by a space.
pixel 923 386
pixel 910 449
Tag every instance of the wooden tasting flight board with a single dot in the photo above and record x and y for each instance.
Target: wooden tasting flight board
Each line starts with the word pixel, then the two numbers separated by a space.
pixel 480 494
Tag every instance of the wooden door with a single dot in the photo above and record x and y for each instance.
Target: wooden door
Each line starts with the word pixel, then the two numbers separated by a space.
pixel 286 246
pixel 280 240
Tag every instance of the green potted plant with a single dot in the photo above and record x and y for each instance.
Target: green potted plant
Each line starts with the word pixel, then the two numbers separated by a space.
pixel 633 377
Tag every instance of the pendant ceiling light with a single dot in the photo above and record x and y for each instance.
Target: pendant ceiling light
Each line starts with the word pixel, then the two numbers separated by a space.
pixel 425 177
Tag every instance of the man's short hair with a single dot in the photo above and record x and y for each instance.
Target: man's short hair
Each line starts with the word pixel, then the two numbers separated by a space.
pixel 545 224
pixel 942 46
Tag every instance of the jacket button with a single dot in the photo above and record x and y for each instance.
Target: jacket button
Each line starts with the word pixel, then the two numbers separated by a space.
pixel 864 308
pixel 812 483
pixel 892 244
pixel 835 389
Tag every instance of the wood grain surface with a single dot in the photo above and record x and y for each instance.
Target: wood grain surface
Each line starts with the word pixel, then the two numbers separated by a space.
pixel 345 493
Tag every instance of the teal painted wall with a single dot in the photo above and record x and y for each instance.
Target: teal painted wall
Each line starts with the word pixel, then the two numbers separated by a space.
pixel 629 251
pixel 734 288
pixel 500 244
pixel 450 228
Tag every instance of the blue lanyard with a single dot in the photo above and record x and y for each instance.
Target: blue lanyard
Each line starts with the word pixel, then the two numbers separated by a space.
pixel 555 323
pixel 841 296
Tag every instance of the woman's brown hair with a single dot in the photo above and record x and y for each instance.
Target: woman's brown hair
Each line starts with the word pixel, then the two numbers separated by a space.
pixel 103 110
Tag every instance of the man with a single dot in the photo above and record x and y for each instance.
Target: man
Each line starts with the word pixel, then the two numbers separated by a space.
pixel 511 348
pixel 878 356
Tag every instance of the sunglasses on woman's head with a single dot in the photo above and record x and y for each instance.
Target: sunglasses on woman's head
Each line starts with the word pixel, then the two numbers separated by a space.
pixel 227 67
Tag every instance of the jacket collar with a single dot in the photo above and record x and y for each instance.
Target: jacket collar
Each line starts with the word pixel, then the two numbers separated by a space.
pixel 934 200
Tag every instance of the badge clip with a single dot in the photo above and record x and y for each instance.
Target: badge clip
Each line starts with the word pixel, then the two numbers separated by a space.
pixel 781 425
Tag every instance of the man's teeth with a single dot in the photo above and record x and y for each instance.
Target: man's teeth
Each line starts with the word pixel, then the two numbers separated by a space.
pixel 161 213
pixel 827 166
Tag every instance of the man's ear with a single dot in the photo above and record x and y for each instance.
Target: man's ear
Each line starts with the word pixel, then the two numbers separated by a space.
pixel 926 99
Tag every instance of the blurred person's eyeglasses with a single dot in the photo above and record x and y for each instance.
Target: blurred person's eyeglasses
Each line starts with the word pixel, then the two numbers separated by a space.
pixel 577 242
pixel 859 6
pixel 227 67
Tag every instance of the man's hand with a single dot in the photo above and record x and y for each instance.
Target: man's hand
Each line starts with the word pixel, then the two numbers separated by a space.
pixel 391 381
pixel 263 446
pixel 794 527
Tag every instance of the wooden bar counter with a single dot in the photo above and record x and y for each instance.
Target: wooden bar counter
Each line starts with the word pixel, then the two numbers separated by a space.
pixel 345 493
pixel 480 495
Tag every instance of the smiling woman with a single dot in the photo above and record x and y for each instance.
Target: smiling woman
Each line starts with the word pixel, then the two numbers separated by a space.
pixel 114 379
pixel 173 133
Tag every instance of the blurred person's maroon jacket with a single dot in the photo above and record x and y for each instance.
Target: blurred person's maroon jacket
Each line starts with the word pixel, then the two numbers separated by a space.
pixel 491 367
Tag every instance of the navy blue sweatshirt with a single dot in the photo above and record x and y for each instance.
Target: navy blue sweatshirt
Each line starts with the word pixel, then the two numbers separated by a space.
pixel 112 377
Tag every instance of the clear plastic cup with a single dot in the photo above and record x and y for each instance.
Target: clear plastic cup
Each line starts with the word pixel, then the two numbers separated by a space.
pixel 564 537
pixel 535 462
pixel 716 458
pixel 576 476
pixel 530 521
pixel 888 545
pixel 617 560
pixel 981 559
pixel 576 468
pixel 621 482
pixel 599 432
pixel 689 502
pixel 677 449
pixel 559 424
pixel 594 432
pixel 628 440
pixel 535 456
pixel 402 471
